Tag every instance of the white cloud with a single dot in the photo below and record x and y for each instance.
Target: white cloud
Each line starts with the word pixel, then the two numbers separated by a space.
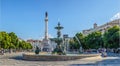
pixel 116 16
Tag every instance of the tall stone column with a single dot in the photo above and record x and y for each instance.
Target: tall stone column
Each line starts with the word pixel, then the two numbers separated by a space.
pixel 46 25
pixel 46 47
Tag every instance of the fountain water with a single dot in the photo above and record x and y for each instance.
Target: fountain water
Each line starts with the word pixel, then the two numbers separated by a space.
pixel 79 43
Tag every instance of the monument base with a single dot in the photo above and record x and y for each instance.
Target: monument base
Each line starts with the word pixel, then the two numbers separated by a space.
pixel 46 47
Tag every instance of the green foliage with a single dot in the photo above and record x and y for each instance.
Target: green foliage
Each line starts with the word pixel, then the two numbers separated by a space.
pixel 5 40
pixel 94 40
pixel 81 39
pixel 111 37
pixel 14 40
pixel 11 41
pixel 25 45
pixel 74 44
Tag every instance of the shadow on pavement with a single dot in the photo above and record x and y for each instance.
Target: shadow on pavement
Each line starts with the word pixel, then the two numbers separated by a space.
pixel 16 58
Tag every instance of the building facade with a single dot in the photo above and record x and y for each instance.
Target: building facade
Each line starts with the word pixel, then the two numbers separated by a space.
pixel 102 28
pixel 35 43
pixel 39 44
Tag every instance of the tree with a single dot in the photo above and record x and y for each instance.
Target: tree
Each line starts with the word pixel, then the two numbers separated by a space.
pixel 94 40
pixel 81 38
pixel 111 37
pixel 74 43
pixel 14 39
pixel 1 39
pixel 11 41
pixel 24 45
pixel 5 40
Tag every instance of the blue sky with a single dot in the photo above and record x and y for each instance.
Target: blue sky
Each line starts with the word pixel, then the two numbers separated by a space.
pixel 26 17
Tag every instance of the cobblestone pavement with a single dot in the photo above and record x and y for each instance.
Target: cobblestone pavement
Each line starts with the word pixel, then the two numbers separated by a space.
pixel 14 59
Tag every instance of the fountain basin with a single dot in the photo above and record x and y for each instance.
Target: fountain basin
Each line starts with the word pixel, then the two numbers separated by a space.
pixel 33 57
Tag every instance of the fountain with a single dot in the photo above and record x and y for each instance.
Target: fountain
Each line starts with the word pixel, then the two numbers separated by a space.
pixel 58 50
pixel 58 54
